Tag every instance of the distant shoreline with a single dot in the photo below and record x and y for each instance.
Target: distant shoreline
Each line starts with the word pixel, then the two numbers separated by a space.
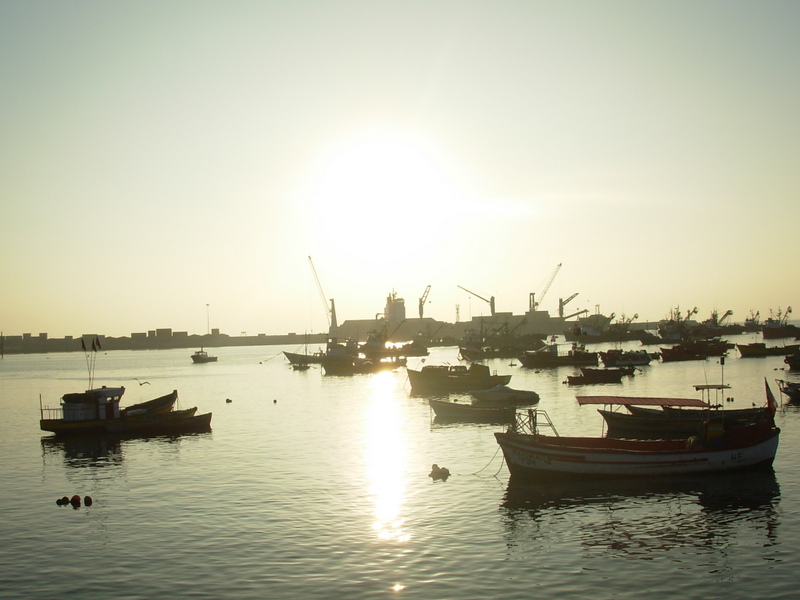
pixel 160 340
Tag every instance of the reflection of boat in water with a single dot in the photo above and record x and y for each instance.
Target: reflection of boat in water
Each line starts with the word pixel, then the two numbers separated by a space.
pixel 644 518
pixel 456 411
pixel 454 378
pixel 84 450
pixel 725 492
pixel 98 411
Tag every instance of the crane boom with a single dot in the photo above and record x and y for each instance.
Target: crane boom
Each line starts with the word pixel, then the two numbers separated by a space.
pixel 422 300
pixel 490 301
pixel 535 304
pixel 330 313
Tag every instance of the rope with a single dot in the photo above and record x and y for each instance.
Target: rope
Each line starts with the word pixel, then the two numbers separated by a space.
pixel 271 357
pixel 490 462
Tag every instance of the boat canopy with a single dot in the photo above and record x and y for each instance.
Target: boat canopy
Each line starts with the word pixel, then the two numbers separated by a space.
pixel 641 401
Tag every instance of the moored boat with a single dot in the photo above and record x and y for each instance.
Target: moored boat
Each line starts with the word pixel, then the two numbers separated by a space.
pixel 97 411
pixel 760 350
pixel 625 358
pixel 791 389
pixel 596 376
pixel 793 360
pixel 454 378
pixel 201 356
pixel 159 405
pixel 504 395
pixel 456 411
pixel 359 365
pixel 530 454
pixel 673 418
pixel 179 421
pixel 550 356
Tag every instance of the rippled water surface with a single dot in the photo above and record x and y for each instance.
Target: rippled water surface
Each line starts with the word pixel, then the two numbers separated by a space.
pixel 317 486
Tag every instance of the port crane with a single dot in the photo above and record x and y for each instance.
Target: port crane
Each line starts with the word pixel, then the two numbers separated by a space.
pixel 563 302
pixel 422 300
pixel 330 313
pixel 532 303
pixel 490 301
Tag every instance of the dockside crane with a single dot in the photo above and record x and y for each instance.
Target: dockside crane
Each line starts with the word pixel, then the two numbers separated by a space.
pixel 533 304
pixel 422 300
pixel 563 302
pixel 490 301
pixel 330 313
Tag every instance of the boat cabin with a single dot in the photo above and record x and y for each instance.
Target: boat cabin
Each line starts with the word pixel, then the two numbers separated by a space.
pixel 92 405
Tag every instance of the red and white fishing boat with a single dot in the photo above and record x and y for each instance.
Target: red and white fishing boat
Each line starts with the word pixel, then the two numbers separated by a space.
pixel 530 454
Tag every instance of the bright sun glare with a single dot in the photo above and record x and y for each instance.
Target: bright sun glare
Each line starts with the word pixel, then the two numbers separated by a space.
pixel 379 186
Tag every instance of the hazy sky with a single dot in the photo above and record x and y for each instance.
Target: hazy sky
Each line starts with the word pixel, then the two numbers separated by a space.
pixel 161 156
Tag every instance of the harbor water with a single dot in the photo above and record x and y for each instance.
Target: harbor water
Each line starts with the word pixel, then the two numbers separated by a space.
pixel 312 486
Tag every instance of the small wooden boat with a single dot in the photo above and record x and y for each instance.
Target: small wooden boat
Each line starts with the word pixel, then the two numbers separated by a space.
pixel 179 421
pixel 504 395
pixel 359 366
pixel 532 455
pixel 793 360
pixel 158 405
pixel 761 350
pixel 296 358
pixel 550 356
pixel 626 358
pixel 791 389
pixel 675 418
pixel 455 411
pixel 201 356
pixel 454 378
pixel 596 378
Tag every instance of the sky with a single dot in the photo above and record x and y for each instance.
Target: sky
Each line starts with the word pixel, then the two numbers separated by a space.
pixel 174 164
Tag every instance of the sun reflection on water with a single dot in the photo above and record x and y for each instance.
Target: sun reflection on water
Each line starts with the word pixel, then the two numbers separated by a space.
pixel 386 457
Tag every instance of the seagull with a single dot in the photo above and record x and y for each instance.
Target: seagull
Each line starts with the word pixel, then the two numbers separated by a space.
pixel 142 382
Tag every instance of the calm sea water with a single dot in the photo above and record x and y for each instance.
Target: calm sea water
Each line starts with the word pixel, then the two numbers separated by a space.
pixel 317 486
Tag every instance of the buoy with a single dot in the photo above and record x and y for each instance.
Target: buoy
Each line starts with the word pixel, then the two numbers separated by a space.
pixel 87 500
pixel 62 501
pixel 75 501
pixel 274 401
pixel 228 400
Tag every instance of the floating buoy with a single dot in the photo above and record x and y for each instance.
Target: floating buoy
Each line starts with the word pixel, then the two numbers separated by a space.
pixel 63 501
pixel 87 500
pixel 228 400
pixel 75 501
pixel 274 401
pixel 438 472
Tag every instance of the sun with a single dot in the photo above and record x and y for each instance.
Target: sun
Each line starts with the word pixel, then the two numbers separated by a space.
pixel 380 187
